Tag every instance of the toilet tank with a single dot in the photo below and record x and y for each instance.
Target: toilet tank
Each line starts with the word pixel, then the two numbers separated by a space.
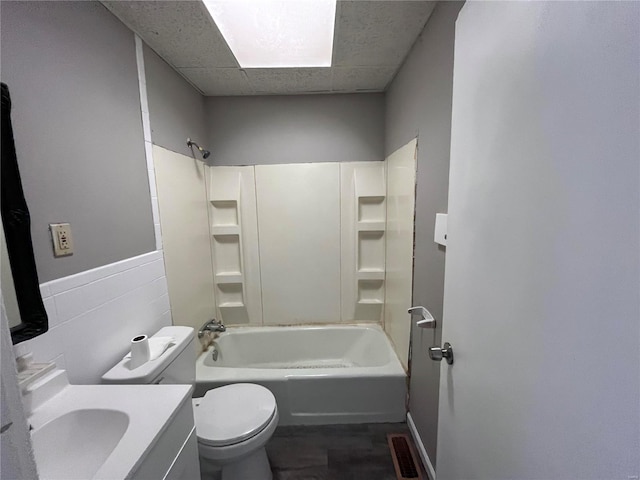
pixel 176 365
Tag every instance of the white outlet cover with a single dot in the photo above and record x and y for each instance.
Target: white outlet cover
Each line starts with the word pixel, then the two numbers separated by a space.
pixel 62 239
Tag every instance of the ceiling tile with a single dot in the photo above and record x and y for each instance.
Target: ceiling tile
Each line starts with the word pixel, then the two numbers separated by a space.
pixel 372 38
pixel 289 80
pixel 181 32
pixel 377 33
pixel 218 81
pixel 353 79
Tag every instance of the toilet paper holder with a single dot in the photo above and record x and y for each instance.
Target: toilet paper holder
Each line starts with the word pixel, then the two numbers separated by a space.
pixel 426 319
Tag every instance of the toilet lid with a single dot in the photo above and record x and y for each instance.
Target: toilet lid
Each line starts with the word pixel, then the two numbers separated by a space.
pixel 231 414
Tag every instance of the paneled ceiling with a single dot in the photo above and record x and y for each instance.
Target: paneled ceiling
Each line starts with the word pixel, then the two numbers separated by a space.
pixel 371 40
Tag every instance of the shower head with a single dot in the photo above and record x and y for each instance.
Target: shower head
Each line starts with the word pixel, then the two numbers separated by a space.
pixel 205 153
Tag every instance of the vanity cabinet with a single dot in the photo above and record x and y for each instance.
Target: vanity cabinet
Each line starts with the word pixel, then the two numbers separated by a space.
pixel 175 454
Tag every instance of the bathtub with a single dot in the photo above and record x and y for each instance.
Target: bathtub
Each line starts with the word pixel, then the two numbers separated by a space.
pixel 318 374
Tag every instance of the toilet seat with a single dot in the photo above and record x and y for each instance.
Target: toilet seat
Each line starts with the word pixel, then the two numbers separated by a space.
pixel 232 414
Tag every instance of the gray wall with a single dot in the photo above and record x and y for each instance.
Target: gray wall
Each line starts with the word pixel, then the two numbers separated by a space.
pixel 418 103
pixel 71 70
pixel 176 109
pixel 295 129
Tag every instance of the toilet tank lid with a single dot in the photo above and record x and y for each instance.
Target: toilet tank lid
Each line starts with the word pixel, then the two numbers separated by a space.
pixel 122 373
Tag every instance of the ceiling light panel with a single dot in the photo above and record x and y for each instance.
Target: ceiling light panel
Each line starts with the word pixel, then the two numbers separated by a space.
pixel 277 33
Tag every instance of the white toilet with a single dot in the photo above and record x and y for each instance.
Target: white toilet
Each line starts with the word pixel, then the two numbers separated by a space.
pixel 233 423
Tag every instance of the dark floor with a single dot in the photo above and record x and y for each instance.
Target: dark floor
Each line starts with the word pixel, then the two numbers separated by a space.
pixel 333 452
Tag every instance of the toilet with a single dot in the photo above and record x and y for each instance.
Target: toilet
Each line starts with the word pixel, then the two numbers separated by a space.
pixel 233 423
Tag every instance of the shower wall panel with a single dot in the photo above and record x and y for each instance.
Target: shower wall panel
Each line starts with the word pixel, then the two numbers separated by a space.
pixel 185 236
pixel 363 205
pixel 401 185
pixel 307 243
pixel 299 231
pixel 234 241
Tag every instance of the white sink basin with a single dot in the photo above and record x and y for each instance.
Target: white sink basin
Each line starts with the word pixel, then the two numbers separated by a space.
pixel 84 438
pixel 83 432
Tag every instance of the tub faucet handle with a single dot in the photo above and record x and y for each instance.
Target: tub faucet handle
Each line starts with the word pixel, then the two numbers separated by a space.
pixel 211 326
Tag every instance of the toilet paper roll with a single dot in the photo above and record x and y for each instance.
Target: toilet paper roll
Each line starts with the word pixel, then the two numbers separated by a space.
pixel 140 353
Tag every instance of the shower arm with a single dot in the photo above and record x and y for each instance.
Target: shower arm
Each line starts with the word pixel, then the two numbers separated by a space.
pixel 205 153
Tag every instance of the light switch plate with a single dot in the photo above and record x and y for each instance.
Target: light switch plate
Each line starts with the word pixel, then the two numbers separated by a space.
pixel 62 239
pixel 440 234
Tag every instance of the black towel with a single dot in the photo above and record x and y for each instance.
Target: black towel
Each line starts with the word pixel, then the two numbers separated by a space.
pixel 17 227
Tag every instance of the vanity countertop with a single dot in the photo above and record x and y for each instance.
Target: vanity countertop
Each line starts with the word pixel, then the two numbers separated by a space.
pixel 150 410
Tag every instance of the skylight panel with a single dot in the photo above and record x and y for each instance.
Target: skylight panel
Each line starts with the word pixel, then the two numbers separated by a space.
pixel 277 33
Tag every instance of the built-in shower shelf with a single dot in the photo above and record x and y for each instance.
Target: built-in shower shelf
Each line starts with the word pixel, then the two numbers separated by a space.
pixel 370 275
pixel 234 313
pixel 232 305
pixel 225 196
pixel 220 230
pixel 364 212
pixel 227 278
pixel 370 226
pixel 372 301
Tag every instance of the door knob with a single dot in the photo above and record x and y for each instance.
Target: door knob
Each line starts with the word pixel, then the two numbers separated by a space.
pixel 446 352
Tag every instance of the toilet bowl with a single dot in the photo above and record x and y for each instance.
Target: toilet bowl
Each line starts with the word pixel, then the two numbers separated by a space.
pixel 233 424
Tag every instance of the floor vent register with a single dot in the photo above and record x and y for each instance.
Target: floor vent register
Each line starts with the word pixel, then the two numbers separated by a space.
pixel 404 459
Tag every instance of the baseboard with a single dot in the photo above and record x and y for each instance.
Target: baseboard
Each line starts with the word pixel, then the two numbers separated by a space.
pixel 423 452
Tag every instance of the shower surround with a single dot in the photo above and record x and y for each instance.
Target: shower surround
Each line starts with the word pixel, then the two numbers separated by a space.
pixel 290 244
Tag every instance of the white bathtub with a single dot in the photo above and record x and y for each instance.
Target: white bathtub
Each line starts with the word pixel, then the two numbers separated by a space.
pixel 319 375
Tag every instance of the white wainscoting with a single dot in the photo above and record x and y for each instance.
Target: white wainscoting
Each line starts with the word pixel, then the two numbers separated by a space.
pixel 94 314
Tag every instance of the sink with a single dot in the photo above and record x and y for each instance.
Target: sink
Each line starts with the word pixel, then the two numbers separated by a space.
pixel 83 438
pixel 102 432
